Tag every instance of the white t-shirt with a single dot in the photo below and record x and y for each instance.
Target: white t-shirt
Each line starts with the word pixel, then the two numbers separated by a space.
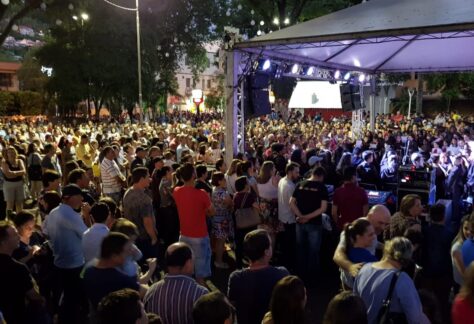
pixel 286 188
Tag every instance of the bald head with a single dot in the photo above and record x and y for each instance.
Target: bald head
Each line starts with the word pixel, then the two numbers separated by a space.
pixel 379 217
pixel 178 256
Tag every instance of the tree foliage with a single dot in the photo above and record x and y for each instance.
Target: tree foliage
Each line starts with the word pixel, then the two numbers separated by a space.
pixel 451 85
pixel 97 59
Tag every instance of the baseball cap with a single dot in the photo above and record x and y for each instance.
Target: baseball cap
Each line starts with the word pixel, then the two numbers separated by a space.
pixel 313 160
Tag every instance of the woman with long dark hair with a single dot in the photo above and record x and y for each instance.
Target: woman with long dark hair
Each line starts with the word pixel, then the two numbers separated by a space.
pixel 359 236
pixel 288 302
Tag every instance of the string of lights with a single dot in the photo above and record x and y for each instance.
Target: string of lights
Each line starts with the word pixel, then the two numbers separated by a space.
pixel 120 7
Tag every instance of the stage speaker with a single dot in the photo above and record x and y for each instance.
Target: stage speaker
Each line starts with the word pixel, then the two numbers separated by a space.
pixel 257 101
pixel 350 97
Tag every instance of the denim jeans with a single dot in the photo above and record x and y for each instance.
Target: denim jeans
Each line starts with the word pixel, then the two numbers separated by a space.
pixel 308 243
pixel 201 248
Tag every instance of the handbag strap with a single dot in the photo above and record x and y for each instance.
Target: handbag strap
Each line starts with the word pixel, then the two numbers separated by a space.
pixel 244 200
pixel 393 282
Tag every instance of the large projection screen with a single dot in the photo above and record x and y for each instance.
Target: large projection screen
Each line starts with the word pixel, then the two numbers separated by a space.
pixel 316 95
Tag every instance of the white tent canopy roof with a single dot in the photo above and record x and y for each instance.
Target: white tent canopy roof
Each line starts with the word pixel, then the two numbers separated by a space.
pixel 379 36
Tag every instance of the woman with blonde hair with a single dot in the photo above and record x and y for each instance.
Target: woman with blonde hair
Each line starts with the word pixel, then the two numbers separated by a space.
pixel 231 176
pixel 467 222
pixel 14 172
pixel 379 281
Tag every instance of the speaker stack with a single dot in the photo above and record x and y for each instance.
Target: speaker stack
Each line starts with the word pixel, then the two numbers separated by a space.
pixel 350 97
pixel 256 96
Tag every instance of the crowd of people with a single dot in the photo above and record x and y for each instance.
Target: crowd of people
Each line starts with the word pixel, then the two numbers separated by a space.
pixel 128 223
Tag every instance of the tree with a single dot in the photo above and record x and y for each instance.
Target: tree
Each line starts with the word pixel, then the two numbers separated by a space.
pixel 97 60
pixel 451 85
pixel 16 10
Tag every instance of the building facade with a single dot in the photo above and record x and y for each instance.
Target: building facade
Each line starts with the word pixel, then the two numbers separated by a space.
pixel 9 76
pixel 208 81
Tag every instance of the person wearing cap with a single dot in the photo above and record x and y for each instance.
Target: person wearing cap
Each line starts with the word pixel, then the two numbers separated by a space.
pixel 140 158
pixel 366 171
pixel 313 162
pixel 65 228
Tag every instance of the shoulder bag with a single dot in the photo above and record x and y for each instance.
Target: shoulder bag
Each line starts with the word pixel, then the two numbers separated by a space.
pixel 246 217
pixel 385 316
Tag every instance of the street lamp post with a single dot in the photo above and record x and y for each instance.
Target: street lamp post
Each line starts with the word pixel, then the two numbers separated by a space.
pixel 139 55
pixel 85 17
pixel 139 63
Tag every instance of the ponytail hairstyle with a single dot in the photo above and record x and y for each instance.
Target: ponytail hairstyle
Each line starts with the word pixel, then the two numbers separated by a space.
pixel 351 230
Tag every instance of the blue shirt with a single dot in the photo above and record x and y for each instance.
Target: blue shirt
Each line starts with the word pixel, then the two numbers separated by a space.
pixel 358 255
pixel 467 251
pixel 65 228
pixel 92 240
pixel 372 285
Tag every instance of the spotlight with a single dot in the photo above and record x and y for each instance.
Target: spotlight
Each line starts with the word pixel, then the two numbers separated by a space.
pixel 266 65
pixel 361 77
pixel 295 69
pixel 310 70
pixel 337 74
pixel 347 76
pixel 255 65
pixel 279 71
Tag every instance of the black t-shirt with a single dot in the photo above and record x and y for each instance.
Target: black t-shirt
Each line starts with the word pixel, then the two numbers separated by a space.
pixel 309 195
pixel 15 282
pixel 101 282
pixel 203 186
pixel 251 290
pixel 136 163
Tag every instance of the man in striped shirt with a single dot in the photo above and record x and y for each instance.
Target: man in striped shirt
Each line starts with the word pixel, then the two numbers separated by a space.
pixel 173 297
pixel 112 178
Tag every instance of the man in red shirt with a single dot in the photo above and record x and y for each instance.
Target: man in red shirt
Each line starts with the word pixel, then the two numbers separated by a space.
pixel 193 207
pixel 350 201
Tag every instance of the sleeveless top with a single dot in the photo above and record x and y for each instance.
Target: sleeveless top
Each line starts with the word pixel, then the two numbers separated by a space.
pixel 15 179
pixel 267 190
